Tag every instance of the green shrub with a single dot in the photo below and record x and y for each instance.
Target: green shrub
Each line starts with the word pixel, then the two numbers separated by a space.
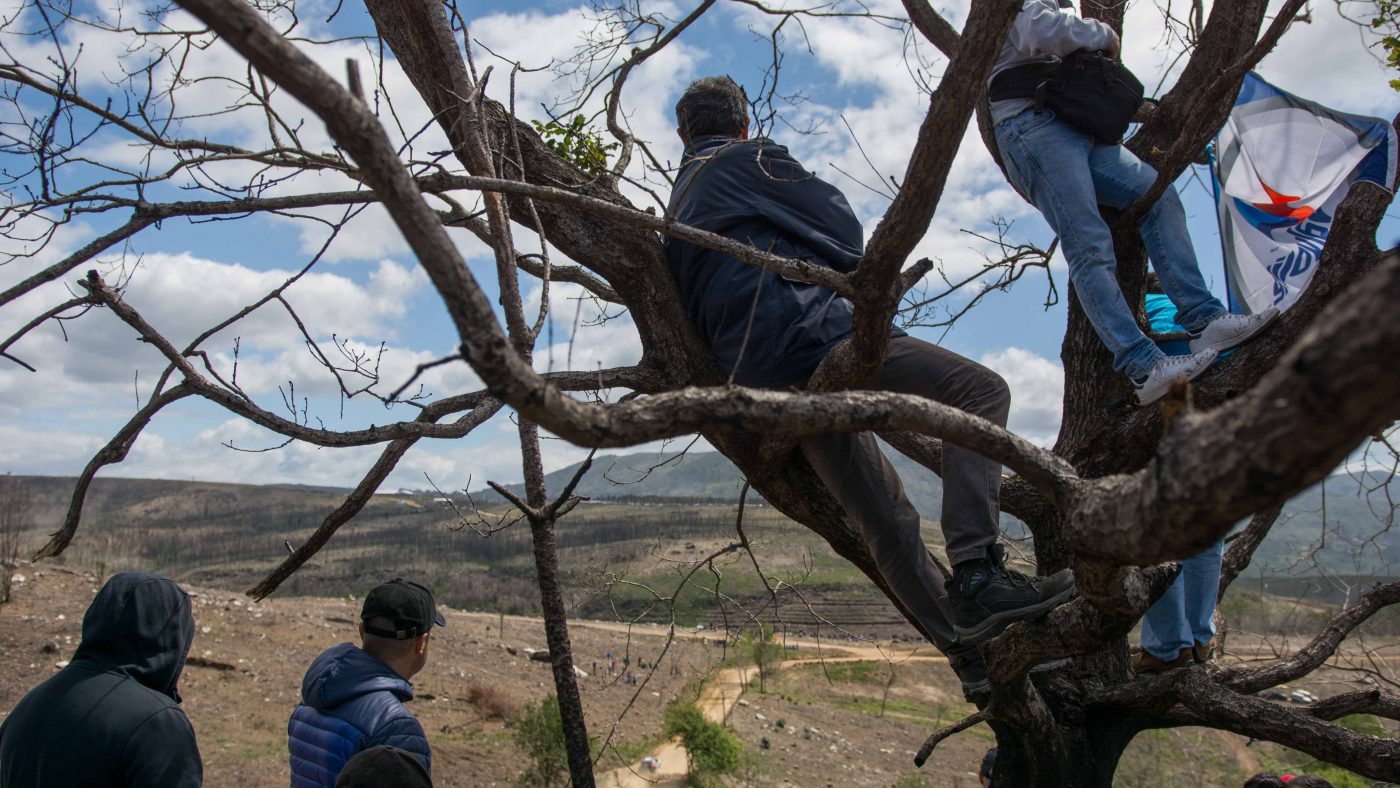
pixel 710 749
pixel 539 735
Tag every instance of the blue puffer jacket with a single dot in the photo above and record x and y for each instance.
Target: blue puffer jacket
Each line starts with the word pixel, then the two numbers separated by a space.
pixel 755 192
pixel 351 701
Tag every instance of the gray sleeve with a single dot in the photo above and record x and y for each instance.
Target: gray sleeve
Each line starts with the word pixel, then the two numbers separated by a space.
pixel 1042 29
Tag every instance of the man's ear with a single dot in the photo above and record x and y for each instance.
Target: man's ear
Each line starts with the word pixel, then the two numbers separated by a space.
pixel 744 132
pixel 681 133
pixel 422 644
pixel 362 631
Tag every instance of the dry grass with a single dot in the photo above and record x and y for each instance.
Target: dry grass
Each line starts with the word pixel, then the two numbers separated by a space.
pixel 492 702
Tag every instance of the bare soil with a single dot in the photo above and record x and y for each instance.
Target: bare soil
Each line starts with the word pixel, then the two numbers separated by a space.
pixel 248 660
pixel 816 725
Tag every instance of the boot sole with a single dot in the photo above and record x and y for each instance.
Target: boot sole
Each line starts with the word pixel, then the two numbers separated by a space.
pixel 992 625
pixel 982 690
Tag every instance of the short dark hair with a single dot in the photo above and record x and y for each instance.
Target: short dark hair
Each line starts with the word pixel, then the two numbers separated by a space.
pixel 712 105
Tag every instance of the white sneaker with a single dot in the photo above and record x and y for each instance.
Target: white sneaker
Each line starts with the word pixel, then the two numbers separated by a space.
pixel 1229 330
pixel 1168 370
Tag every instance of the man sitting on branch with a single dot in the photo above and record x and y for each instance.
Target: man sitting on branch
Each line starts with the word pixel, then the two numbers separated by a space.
pixel 772 332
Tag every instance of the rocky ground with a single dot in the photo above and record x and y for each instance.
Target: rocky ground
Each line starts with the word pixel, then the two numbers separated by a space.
pixel 822 725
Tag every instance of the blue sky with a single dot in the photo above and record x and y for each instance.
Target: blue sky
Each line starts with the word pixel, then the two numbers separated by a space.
pixel 367 290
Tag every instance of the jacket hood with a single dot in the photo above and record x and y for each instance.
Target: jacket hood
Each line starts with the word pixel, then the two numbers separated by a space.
pixel 346 672
pixel 140 624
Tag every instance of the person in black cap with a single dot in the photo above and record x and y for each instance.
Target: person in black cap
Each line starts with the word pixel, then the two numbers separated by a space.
pixel 352 697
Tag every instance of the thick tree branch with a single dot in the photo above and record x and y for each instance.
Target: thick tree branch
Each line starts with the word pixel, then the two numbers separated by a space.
pixel 877 277
pixel 1217 707
pixel 1372 701
pixel 1307 659
pixel 933 26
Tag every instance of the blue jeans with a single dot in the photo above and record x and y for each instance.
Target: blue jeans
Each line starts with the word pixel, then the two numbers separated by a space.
pixel 1185 613
pixel 1067 174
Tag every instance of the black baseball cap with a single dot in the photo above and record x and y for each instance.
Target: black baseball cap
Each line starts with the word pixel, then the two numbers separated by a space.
pixel 407 604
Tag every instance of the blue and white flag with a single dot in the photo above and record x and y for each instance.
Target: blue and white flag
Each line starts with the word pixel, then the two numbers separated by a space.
pixel 1282 165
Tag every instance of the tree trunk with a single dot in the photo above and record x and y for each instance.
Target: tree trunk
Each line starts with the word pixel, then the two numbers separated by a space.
pixel 561 657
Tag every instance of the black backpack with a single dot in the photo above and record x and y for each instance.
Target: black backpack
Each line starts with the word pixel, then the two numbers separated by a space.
pixel 1091 92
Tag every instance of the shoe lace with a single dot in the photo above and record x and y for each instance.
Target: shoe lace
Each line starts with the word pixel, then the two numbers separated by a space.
pixel 1012 577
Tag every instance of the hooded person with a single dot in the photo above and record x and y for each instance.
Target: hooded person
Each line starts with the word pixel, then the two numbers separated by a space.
pixel 112 717
pixel 352 698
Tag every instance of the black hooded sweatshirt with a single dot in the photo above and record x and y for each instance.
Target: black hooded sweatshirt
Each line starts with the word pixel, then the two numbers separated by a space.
pixel 111 718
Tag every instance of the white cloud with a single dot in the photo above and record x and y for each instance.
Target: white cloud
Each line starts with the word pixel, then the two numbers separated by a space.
pixel 96 358
pixel 856 69
pixel 1037 392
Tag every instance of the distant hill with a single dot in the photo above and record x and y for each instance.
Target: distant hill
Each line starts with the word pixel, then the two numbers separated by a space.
pixel 1338 513
pixel 231 534
pixel 702 475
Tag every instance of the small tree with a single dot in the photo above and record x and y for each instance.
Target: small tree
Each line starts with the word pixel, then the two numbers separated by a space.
pixel 766 653
pixel 539 734
pixel 710 748
pixel 15 503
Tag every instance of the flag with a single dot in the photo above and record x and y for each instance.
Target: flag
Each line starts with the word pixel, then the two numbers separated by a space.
pixel 1282 166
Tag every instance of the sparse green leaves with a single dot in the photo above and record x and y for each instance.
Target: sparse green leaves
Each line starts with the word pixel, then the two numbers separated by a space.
pixel 1386 23
pixel 577 144
pixel 539 735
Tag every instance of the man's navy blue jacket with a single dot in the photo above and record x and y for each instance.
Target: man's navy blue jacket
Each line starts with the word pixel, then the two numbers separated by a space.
pixel 351 701
pixel 755 192
pixel 111 718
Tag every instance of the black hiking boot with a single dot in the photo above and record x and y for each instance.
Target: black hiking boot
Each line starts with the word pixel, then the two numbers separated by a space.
pixel 985 596
pixel 972 672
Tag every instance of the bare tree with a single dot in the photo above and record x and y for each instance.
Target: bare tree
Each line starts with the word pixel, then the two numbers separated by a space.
pixel 15 504
pixel 1123 489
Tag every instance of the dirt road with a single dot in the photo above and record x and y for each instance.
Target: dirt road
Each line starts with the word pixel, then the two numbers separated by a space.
pixel 719 697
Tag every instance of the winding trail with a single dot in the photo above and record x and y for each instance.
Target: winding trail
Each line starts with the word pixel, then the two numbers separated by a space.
pixel 721 694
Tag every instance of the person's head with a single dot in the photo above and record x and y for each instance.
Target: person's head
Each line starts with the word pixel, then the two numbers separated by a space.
pixel 383 767
pixel 395 624
pixel 1287 781
pixel 989 762
pixel 141 624
pixel 712 106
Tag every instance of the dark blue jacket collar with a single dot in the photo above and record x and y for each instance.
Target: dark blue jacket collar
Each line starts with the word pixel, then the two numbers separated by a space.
pixel 346 672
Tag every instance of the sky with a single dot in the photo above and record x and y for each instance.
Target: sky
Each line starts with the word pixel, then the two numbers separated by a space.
pixel 855 87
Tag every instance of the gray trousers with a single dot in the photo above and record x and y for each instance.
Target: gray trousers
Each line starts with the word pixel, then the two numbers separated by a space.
pixel 863 481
